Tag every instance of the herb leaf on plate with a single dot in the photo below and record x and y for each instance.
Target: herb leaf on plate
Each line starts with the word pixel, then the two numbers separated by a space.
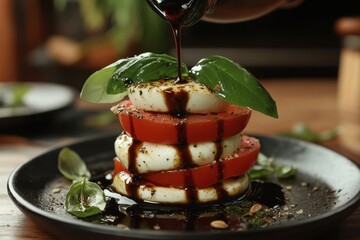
pixel 234 83
pixel 85 199
pixel 265 168
pixel 71 165
pixel 285 171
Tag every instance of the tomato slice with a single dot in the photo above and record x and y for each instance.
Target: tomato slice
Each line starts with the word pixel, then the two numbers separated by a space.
pixel 167 129
pixel 207 175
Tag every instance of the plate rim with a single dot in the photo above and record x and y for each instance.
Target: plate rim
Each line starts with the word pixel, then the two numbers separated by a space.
pixel 25 206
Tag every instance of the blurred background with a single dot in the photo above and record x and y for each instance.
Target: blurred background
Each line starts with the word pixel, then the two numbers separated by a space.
pixel 48 48
pixel 295 52
pixel 64 41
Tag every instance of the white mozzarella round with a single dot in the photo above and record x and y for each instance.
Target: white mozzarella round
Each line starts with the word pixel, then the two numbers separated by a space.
pixel 170 195
pixel 152 97
pixel 152 157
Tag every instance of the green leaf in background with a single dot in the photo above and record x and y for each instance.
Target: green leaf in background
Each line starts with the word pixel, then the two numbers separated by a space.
pixel 233 83
pixel 19 91
pixel 85 199
pixel 304 132
pixel 71 165
pixel 60 5
pixel 102 119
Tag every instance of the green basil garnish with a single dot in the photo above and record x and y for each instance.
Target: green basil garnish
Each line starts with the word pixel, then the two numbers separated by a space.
pixel 71 165
pixel 285 171
pixel 85 199
pixel 110 83
pixel 227 79
pixel 94 89
pixel 265 167
pixel 234 83
pixel 146 67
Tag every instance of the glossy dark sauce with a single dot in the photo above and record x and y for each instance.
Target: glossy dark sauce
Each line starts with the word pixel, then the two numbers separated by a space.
pixel 133 150
pixel 179 13
pixel 183 151
pixel 267 193
pixel 220 191
pixel 189 217
pixel 176 102
pixel 219 152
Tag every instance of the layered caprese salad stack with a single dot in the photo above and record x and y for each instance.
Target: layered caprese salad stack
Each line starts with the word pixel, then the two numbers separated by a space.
pixel 181 144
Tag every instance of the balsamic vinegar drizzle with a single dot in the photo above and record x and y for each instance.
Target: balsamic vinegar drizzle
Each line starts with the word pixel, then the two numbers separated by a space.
pixel 177 36
pixel 179 13
pixel 176 102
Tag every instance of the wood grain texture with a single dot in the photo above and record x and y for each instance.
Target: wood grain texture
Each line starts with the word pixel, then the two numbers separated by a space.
pixel 312 101
pixel 8 60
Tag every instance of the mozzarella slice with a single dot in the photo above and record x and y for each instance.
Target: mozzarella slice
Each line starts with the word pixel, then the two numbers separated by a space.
pixel 122 183
pixel 143 157
pixel 159 96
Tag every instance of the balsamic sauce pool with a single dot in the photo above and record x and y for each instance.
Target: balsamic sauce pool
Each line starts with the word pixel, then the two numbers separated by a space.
pixel 143 215
pixel 282 201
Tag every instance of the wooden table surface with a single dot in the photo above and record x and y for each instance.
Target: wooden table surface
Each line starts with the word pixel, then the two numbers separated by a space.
pixel 310 101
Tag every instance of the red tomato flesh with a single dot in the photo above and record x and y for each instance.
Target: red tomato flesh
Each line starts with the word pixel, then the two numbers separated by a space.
pixel 167 129
pixel 207 175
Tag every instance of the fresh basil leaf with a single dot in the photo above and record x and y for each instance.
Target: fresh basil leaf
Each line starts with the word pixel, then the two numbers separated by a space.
pixel 94 89
pixel 110 84
pixel 263 160
pixel 285 171
pixel 265 168
pixel 85 199
pixel 258 172
pixel 304 132
pixel 234 83
pixel 71 165
pixel 145 67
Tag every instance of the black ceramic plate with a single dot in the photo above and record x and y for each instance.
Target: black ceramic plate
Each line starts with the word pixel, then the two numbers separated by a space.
pixel 31 187
pixel 40 103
